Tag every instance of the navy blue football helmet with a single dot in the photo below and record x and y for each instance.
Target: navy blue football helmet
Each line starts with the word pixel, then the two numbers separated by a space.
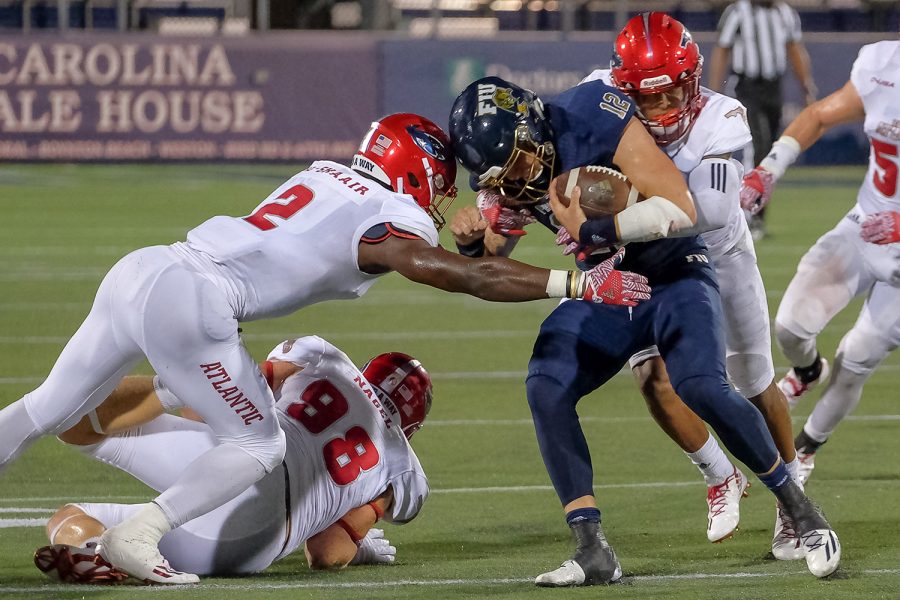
pixel 494 126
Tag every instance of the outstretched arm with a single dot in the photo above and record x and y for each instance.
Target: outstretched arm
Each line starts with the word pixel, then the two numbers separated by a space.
pixel 843 106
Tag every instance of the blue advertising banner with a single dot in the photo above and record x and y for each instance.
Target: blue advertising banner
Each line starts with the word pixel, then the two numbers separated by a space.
pixel 425 76
pixel 146 97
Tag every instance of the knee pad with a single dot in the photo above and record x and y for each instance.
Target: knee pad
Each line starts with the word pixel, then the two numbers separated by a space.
pixel 268 450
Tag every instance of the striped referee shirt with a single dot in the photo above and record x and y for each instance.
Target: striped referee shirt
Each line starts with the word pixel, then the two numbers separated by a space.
pixel 758 33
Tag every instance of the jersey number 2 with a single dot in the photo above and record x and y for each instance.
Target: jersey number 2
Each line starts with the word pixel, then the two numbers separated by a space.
pixel 320 406
pixel 297 197
pixel 886 159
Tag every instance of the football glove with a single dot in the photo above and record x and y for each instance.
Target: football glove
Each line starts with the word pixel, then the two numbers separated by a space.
pixel 374 549
pixel 502 220
pixel 570 246
pixel 756 190
pixel 881 228
pixel 606 285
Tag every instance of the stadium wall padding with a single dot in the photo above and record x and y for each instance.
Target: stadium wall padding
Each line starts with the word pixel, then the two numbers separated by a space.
pixel 293 96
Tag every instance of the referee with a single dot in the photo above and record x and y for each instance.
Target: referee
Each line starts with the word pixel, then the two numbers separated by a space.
pixel 759 38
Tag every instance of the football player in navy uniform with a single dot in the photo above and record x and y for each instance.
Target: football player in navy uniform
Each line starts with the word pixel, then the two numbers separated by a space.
pixel 514 145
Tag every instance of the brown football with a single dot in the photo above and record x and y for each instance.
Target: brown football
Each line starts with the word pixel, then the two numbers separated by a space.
pixel 604 191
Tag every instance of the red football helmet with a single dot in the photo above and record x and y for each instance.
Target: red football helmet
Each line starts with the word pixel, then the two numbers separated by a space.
pixel 403 386
pixel 657 62
pixel 411 155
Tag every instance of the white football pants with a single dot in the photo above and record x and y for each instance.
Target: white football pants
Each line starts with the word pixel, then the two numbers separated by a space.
pixel 153 303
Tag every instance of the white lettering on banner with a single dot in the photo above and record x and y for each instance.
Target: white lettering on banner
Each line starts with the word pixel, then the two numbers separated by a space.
pixel 177 88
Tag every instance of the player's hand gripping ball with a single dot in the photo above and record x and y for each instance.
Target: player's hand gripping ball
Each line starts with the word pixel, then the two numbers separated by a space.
pixel 604 191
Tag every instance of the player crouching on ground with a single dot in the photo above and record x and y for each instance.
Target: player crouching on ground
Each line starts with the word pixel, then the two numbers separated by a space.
pixel 348 465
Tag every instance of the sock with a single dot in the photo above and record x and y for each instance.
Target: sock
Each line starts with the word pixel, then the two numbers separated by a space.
pixel 810 373
pixel 806 444
pixel 580 515
pixel 712 462
pixel 209 482
pixel 777 478
pixel 17 432
pixel 793 469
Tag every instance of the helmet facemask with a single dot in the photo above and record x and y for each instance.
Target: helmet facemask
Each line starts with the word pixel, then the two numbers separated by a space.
pixel 682 104
pixel 530 162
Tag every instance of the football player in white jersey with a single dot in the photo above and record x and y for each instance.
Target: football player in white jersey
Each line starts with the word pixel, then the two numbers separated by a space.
pixel 658 64
pixel 325 495
pixel 861 255
pixel 327 233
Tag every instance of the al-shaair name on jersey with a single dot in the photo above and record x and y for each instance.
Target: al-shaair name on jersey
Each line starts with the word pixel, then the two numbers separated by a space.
pixel 300 245
pixel 328 475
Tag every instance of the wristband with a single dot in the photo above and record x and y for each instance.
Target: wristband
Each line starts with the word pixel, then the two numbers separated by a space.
pixel 565 284
pixel 782 155
pixel 473 249
pixel 379 514
pixel 599 232
pixel 354 535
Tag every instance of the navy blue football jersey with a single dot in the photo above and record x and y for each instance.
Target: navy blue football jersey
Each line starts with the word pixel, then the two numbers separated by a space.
pixel 588 121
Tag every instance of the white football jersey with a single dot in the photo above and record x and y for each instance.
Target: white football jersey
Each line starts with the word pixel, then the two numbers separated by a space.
pixel 343 448
pixel 300 245
pixel 876 77
pixel 720 129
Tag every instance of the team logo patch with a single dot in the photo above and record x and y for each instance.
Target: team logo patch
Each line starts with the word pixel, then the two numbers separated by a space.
pixel 427 142
pixel 491 97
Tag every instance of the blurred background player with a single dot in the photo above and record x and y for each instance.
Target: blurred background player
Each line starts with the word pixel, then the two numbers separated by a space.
pixel 757 38
pixel 861 255
pixel 658 65
pixel 514 145
pixel 348 464
pixel 327 233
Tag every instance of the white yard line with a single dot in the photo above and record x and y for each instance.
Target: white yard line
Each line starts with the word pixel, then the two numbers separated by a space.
pixel 437 583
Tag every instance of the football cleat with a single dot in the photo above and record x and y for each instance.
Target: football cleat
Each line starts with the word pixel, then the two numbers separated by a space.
pixel 137 555
pixel 823 551
pixel 786 544
pixel 793 388
pixel 593 563
pixel 70 564
pixel 724 506
pixel 807 462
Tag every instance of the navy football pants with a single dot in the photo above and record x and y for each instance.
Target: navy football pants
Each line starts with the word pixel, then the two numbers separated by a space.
pixel 582 345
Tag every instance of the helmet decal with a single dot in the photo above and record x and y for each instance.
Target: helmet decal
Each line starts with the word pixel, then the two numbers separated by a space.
pixel 381 144
pixel 491 97
pixel 430 144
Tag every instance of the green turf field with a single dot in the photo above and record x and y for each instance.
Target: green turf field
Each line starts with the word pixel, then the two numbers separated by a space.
pixel 493 521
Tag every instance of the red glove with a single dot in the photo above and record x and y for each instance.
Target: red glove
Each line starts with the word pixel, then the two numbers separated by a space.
pixel 756 190
pixel 565 239
pixel 606 285
pixel 881 228
pixel 503 220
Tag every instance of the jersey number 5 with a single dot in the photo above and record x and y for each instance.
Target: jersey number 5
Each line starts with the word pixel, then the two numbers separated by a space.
pixel 320 406
pixel 886 159
pixel 297 197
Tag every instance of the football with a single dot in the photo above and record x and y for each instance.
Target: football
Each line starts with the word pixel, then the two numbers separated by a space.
pixel 604 191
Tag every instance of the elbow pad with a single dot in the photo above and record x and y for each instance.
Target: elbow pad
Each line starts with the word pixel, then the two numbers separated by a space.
pixel 654 218
pixel 716 186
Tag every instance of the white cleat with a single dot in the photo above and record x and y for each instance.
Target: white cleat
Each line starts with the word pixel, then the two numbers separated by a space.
pixel 793 389
pixel 823 551
pixel 570 574
pixel 138 555
pixel 724 506
pixel 786 544
pixel 807 463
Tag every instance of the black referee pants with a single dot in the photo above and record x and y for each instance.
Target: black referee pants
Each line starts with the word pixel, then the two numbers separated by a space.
pixel 762 98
